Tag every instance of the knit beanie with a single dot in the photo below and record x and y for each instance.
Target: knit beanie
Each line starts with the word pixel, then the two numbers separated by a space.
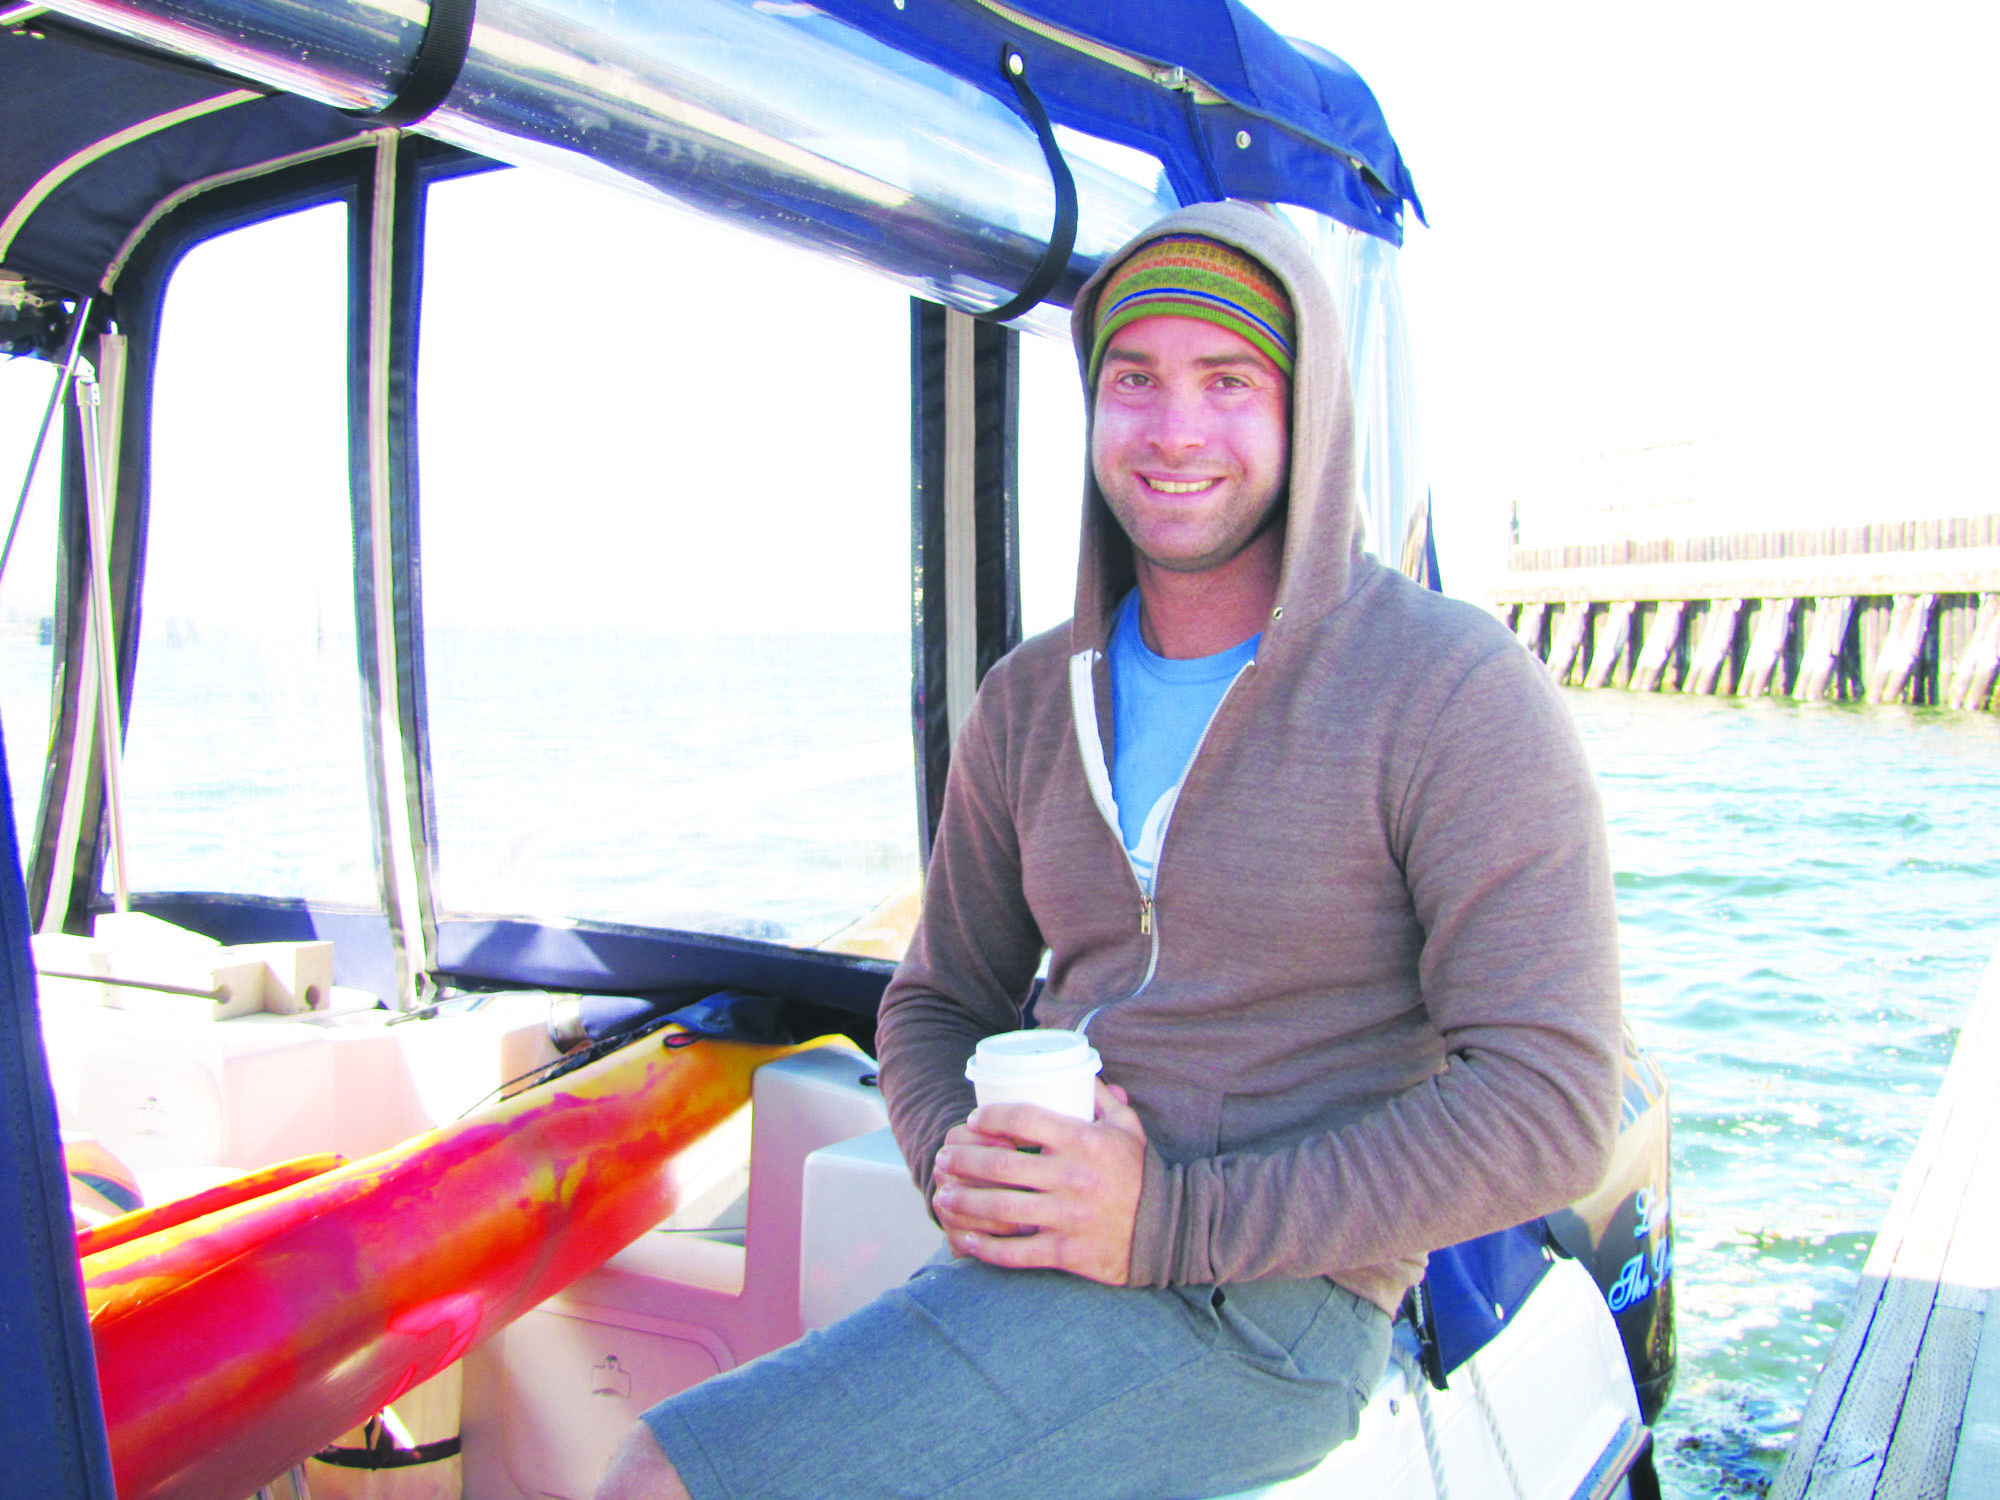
pixel 1191 276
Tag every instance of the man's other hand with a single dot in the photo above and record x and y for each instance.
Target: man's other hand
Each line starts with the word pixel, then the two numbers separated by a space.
pixel 1069 1205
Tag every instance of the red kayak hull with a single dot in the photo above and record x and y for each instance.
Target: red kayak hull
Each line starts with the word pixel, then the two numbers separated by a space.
pixel 235 1345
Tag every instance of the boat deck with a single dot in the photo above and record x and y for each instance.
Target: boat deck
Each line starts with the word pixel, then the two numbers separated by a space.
pixel 1908 1405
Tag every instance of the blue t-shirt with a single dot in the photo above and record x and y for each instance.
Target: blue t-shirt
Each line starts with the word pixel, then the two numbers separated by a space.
pixel 1159 709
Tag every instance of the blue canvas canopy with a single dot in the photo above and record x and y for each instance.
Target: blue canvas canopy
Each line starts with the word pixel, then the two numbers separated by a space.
pixel 99 136
pixel 1231 108
pixel 101 133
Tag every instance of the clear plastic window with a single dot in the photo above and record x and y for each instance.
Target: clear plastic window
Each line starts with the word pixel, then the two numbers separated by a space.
pixel 1361 270
pixel 28 588
pixel 665 541
pixel 1049 480
pixel 776 111
pixel 245 759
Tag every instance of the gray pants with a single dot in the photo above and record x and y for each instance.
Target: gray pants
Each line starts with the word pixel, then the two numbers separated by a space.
pixel 975 1383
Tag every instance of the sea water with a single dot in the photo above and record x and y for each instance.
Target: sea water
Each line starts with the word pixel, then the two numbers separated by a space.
pixel 1806 900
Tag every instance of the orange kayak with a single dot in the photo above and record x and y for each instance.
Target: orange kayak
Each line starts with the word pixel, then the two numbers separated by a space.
pixel 141 1222
pixel 231 1346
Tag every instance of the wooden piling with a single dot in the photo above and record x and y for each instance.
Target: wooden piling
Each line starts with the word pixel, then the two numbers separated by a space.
pixel 1718 641
pixel 1568 637
pixel 1897 659
pixel 1893 612
pixel 1661 639
pixel 1767 649
pixel 1613 643
pixel 1972 680
pixel 1819 660
pixel 1528 629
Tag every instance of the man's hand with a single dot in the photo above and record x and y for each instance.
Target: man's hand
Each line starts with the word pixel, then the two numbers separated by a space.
pixel 1069 1206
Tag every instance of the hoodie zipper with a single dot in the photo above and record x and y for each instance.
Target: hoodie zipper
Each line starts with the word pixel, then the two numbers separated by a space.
pixel 1148 920
pixel 1083 703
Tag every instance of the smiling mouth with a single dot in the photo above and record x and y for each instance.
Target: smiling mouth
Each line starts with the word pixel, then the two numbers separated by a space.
pixel 1179 486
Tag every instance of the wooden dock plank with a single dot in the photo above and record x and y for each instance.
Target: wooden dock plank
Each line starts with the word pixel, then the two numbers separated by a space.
pixel 1980 1033
pixel 1824 1406
pixel 1920 1455
pixel 1887 1417
pixel 1972 1261
pixel 1849 1463
pixel 1945 1169
pixel 1975 1471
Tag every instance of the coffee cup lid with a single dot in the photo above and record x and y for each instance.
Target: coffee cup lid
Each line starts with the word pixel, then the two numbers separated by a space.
pixel 1016 1053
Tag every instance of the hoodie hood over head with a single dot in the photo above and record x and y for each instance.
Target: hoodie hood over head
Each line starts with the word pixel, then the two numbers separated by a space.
pixel 1323 560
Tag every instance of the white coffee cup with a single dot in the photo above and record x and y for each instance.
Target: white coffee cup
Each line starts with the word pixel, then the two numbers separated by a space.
pixel 1055 1069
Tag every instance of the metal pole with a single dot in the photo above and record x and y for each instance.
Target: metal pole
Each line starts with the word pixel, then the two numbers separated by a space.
pixel 218 993
pixel 766 116
pixel 48 416
pixel 110 729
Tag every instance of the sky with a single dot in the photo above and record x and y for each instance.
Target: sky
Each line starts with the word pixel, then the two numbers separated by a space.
pixel 1688 269
pixel 1730 263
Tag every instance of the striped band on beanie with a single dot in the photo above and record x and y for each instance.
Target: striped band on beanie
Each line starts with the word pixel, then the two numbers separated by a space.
pixel 1190 276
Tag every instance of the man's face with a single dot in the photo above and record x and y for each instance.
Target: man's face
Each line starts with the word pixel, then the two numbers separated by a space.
pixel 1189 440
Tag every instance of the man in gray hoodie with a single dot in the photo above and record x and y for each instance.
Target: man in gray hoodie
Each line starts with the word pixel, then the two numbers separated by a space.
pixel 1314 858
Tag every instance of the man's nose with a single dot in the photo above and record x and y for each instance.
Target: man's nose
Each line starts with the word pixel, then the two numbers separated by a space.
pixel 1177 424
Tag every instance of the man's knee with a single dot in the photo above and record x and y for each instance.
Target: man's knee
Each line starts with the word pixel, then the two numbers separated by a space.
pixel 639 1470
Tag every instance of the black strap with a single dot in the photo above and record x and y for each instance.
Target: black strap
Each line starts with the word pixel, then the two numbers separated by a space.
pixel 1062 236
pixel 389 1458
pixel 440 57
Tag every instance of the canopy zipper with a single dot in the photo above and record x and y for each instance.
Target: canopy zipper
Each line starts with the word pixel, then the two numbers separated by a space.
pixel 1166 76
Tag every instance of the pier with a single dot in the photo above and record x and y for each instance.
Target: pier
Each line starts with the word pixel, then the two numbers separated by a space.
pixel 1908 1405
pixel 1905 612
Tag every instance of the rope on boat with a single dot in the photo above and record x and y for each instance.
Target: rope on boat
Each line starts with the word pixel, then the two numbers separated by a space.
pixel 1420 1391
pixel 1493 1426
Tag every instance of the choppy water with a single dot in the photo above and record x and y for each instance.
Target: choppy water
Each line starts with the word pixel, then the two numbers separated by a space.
pixel 1806 904
pixel 1806 900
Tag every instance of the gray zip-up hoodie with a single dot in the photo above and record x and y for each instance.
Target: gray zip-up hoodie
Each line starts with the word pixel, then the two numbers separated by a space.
pixel 1373 1006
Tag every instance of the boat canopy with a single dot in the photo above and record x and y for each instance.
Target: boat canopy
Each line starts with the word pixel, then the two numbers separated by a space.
pixel 984 155
pixel 787 116
pixel 1231 108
